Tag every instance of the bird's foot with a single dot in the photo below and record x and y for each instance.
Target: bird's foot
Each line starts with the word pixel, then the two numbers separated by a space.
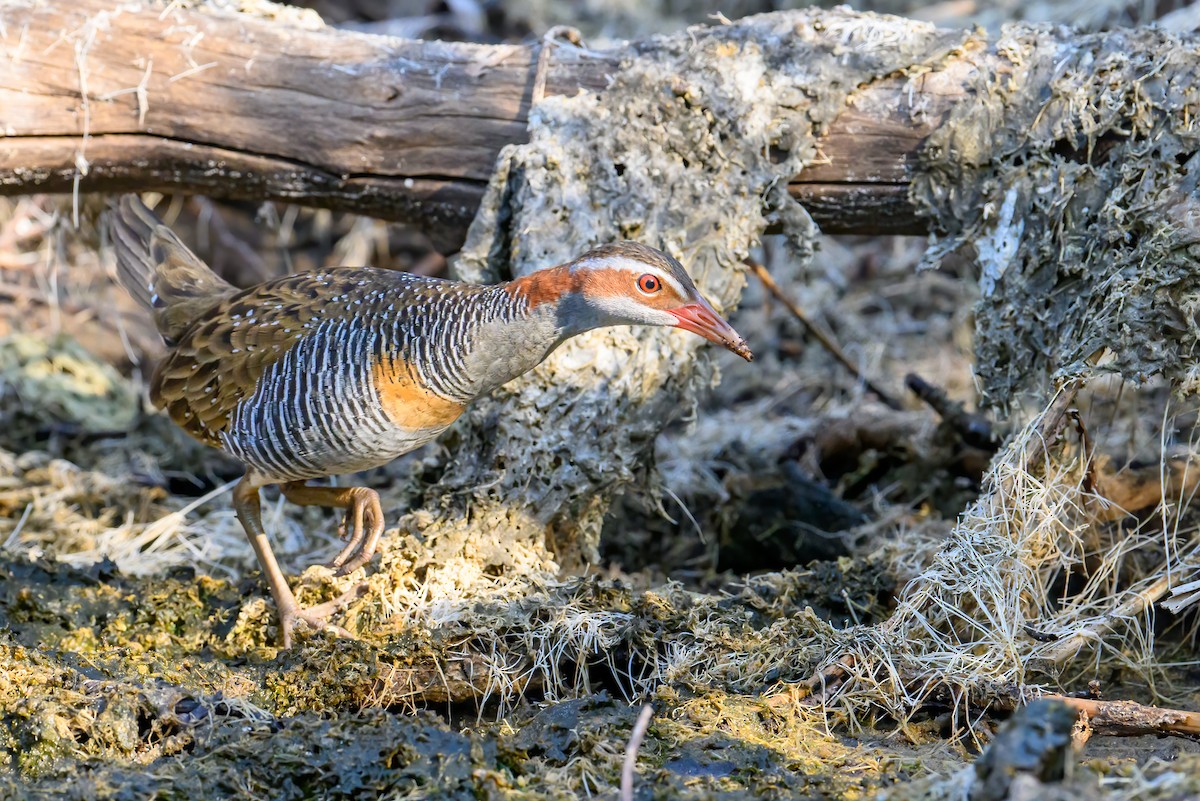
pixel 361 528
pixel 317 616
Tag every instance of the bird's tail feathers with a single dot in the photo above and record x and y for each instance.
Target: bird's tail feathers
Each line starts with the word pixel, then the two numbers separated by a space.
pixel 159 271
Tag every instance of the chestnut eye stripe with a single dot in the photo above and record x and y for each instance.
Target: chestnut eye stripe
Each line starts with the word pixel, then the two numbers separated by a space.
pixel 634 268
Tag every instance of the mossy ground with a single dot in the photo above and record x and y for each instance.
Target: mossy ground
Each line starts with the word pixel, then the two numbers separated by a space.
pixel 115 686
pixel 122 687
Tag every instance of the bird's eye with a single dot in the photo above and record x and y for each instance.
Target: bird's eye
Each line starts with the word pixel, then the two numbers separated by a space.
pixel 649 283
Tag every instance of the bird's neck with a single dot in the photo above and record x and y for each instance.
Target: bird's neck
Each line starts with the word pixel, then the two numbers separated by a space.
pixel 513 328
pixel 533 318
pixel 543 290
pixel 557 294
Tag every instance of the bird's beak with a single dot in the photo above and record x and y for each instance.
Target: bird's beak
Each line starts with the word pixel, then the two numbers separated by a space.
pixel 701 318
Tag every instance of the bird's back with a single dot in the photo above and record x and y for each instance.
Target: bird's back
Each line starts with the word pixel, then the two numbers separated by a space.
pixel 321 373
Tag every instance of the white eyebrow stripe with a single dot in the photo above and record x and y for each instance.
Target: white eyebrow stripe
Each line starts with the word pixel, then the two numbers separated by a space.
pixel 679 290
pixel 634 267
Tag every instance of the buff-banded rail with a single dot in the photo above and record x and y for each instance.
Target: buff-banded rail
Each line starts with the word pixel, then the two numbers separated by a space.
pixel 340 370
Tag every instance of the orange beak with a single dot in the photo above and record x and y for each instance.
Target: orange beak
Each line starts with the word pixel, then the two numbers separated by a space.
pixel 701 318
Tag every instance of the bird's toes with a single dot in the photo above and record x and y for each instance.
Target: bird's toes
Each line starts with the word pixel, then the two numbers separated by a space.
pixel 317 617
pixel 355 562
pixel 364 522
pixel 350 566
pixel 348 597
pixel 353 544
pixel 338 560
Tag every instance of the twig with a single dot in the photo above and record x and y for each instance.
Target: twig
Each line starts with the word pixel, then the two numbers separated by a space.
pixel 1068 647
pixel 819 333
pixel 431 264
pixel 1098 717
pixel 566 32
pixel 25 293
pixel 1130 719
pixel 1053 420
pixel 250 266
pixel 631 749
pixel 1123 492
pixel 1182 597
pixel 826 681
pixel 973 429
pixel 27 223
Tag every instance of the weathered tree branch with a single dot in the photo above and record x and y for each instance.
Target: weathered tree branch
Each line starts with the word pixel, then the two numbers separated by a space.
pixel 1130 719
pixel 97 99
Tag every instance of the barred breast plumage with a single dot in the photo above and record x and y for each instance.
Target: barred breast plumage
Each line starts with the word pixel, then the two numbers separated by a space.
pixel 330 372
pixel 339 370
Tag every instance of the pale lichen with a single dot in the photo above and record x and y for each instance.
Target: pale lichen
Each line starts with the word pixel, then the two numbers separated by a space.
pixel 1072 175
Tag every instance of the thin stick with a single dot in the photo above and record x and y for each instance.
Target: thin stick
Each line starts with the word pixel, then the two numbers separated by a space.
pixel 973 429
pixel 1069 647
pixel 631 750
pixel 1052 423
pixel 566 32
pixel 818 333
pixel 1130 719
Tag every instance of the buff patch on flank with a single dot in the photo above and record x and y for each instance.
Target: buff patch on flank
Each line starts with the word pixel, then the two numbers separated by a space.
pixel 407 405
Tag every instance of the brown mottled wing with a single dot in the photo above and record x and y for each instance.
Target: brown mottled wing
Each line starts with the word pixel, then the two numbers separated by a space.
pixel 218 361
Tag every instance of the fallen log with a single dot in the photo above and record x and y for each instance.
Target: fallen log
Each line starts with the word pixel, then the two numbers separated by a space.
pixel 104 99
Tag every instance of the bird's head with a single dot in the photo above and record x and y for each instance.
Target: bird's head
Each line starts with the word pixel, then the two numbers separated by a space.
pixel 630 284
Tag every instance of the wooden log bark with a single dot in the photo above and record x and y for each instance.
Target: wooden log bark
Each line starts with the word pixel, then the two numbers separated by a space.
pixel 104 99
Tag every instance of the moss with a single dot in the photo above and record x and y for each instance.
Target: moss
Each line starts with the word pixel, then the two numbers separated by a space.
pixel 84 715
pixel 1071 176
pixel 66 385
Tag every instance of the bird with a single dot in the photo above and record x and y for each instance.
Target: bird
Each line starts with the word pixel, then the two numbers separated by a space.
pixel 338 370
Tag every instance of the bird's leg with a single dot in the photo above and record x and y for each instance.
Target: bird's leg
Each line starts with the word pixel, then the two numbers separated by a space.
pixel 361 527
pixel 247 505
